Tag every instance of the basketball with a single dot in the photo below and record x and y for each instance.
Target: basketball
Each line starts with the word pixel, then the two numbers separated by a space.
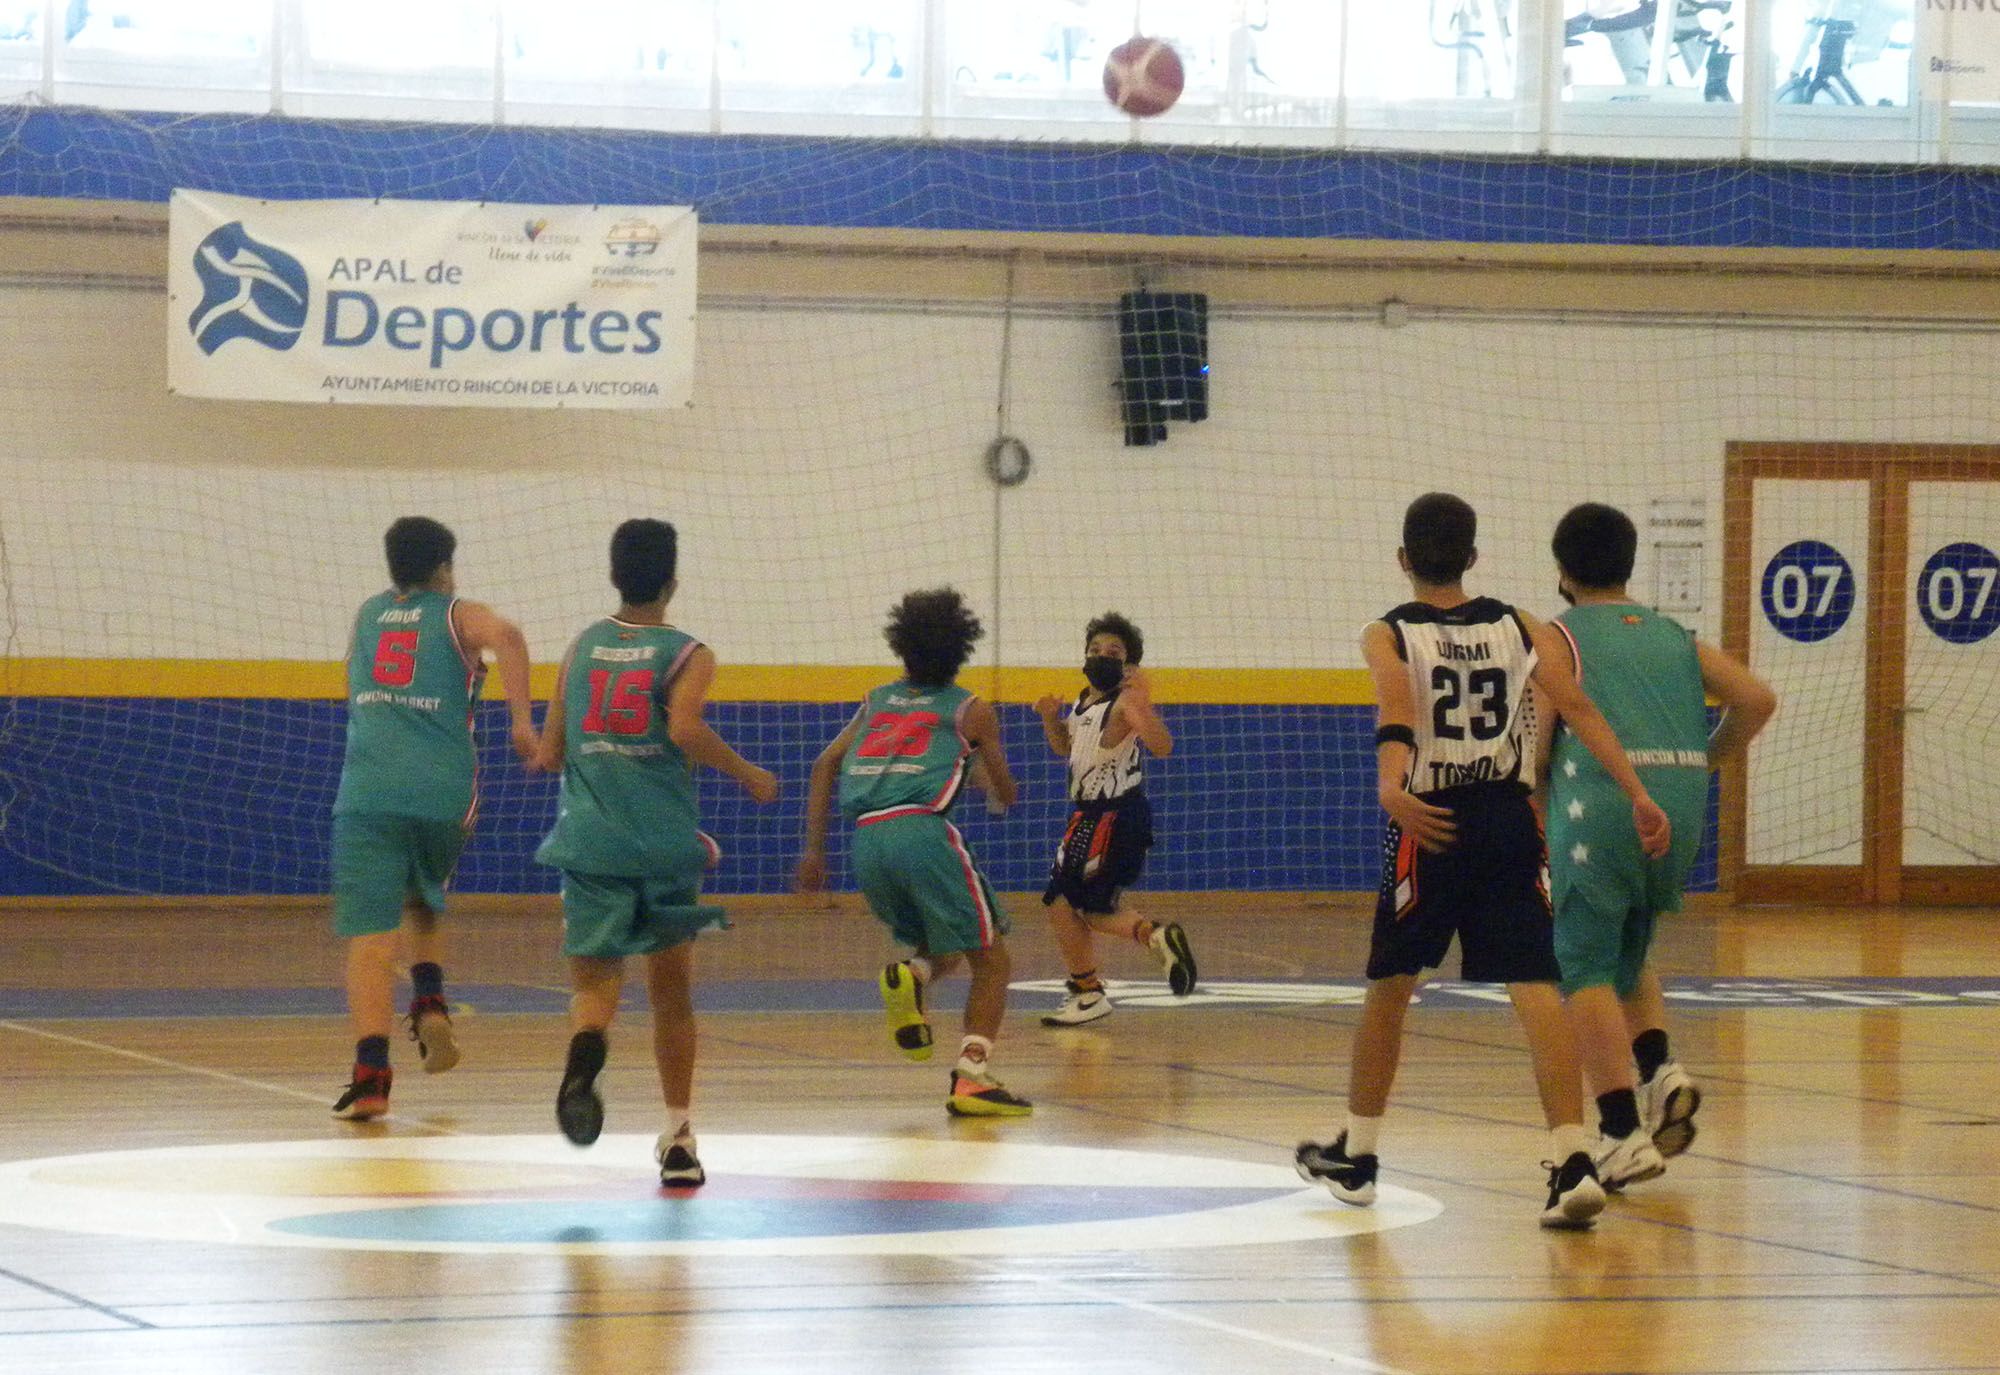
pixel 1143 76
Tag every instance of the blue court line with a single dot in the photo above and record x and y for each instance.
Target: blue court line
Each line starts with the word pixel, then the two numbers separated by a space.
pixel 1685 995
pixel 73 1301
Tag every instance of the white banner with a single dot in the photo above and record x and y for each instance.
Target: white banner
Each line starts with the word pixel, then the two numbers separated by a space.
pixel 430 303
pixel 1958 49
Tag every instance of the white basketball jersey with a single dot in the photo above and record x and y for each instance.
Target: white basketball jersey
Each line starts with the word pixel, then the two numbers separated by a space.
pixel 1469 670
pixel 1097 773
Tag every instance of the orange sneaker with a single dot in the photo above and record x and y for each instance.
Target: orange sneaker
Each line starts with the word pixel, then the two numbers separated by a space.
pixel 982 1095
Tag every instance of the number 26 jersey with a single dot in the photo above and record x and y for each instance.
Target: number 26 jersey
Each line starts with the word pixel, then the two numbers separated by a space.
pixel 1469 667
pixel 910 753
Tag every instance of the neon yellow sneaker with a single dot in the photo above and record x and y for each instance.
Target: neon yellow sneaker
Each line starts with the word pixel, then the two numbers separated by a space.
pixel 903 1000
pixel 982 1095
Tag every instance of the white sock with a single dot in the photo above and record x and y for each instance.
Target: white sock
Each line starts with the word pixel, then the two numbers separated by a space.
pixel 920 965
pixel 1361 1133
pixel 968 1064
pixel 1570 1138
pixel 679 1123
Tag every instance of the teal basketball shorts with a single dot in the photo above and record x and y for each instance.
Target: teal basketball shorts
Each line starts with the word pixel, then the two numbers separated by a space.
pixel 382 862
pixel 610 916
pixel 920 880
pixel 1607 893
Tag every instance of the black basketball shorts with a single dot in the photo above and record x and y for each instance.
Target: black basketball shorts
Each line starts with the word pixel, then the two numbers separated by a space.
pixel 1490 889
pixel 1102 851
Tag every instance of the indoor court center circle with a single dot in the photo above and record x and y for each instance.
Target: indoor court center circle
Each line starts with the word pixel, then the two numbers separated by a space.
pixel 766 1195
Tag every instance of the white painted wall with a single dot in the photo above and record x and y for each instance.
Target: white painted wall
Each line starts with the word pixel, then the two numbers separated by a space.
pixel 832 461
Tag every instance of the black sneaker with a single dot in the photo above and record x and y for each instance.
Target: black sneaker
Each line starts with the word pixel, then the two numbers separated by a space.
pixel 579 1111
pixel 1170 946
pixel 1575 1196
pixel 1351 1179
pixel 366 1096
pixel 680 1168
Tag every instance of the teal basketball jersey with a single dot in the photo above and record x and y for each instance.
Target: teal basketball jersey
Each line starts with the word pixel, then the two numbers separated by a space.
pixel 1641 670
pixel 410 690
pixel 910 753
pixel 628 794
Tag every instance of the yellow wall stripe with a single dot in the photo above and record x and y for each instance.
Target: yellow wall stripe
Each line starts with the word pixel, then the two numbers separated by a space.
pixel 300 679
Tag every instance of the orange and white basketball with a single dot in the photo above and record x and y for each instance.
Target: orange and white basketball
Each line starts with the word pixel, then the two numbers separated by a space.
pixel 1143 76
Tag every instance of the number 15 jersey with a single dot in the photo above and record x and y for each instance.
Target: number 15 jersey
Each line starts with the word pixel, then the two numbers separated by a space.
pixel 628 793
pixel 1469 668
pixel 910 753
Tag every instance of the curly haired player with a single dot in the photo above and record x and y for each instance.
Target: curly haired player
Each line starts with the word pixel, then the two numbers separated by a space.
pixel 900 764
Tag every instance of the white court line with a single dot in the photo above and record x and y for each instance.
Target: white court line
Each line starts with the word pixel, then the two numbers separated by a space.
pixel 143 1058
pixel 1186 1319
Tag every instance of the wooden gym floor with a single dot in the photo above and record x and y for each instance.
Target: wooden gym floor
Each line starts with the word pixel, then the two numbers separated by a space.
pixel 1838 1212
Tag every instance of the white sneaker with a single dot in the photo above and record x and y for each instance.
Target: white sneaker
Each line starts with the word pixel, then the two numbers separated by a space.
pixel 1078 1008
pixel 1667 1104
pixel 1575 1196
pixel 1623 1160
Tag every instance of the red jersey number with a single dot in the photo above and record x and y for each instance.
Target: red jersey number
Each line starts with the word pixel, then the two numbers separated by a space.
pixel 629 708
pixel 905 735
pixel 396 658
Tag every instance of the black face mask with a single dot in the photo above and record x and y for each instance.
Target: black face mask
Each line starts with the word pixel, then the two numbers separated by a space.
pixel 1104 672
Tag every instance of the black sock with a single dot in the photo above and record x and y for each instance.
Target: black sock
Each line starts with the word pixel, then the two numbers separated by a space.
pixel 1649 1049
pixel 372 1051
pixel 586 1055
pixel 429 980
pixel 1086 982
pixel 1618 1112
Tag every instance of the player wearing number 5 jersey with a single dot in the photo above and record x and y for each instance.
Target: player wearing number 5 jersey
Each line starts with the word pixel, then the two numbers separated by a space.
pixel 900 764
pixel 626 730
pixel 1462 854
pixel 409 790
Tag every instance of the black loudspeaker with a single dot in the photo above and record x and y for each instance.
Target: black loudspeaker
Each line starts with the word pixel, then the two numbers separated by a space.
pixel 1163 344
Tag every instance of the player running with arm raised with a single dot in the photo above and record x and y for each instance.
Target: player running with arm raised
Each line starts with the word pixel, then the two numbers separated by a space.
pixel 409 793
pixel 899 765
pixel 1110 829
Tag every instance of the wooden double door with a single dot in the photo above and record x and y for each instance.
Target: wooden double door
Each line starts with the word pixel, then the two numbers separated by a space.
pixel 1861 583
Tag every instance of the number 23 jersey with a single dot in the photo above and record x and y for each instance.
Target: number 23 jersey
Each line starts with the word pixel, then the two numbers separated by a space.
pixel 1469 667
pixel 909 754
